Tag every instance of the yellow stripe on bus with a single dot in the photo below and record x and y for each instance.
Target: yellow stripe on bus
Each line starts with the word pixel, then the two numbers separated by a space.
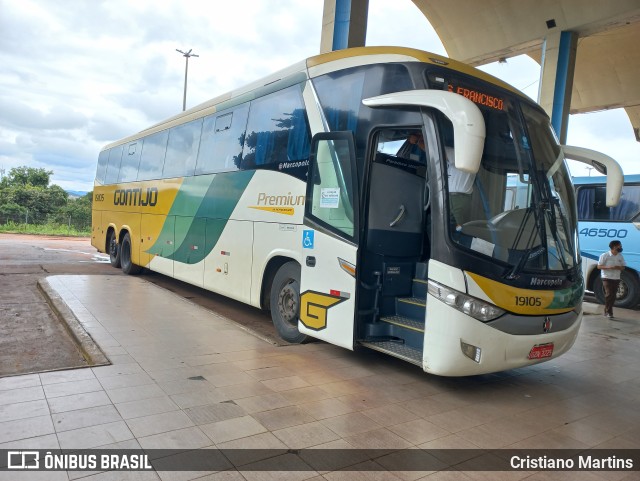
pixel 518 300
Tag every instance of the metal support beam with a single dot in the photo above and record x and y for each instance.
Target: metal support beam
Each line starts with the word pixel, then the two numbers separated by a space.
pixel 344 24
pixel 556 85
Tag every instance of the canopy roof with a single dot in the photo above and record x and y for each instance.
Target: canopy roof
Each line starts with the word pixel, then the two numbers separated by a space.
pixel 607 71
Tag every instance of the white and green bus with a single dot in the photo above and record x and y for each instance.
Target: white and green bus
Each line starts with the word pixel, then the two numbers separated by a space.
pixel 359 196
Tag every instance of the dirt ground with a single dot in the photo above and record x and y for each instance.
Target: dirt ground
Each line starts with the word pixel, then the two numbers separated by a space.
pixel 32 339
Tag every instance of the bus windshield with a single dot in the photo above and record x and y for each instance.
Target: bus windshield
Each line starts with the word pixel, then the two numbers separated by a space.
pixel 519 208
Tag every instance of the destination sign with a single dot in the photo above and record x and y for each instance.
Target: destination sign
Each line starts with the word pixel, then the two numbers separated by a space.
pixel 478 97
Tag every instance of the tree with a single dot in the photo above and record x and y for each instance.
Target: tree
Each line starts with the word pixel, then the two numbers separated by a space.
pixel 12 211
pixel 28 188
pixel 23 176
pixel 77 212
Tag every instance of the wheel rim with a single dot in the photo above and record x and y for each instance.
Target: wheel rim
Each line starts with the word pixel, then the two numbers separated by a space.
pixel 289 303
pixel 622 291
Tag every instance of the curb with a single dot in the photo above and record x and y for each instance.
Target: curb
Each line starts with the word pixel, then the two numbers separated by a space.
pixel 87 347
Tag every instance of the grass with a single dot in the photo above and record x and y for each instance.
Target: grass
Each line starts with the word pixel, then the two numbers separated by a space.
pixel 44 229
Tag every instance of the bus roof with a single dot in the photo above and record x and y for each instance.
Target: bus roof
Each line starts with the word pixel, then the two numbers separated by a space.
pixel 313 67
pixel 601 179
pixel 410 54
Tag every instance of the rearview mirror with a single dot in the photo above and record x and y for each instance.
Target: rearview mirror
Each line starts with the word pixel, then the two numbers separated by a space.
pixel 468 123
pixel 603 164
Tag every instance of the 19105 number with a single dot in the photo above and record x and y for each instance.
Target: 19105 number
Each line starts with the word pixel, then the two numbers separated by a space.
pixel 528 301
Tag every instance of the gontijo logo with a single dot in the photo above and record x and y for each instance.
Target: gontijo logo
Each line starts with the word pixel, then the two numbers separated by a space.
pixel 314 306
pixel 136 197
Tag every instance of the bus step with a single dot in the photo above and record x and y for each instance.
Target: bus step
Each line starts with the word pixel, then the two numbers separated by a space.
pixel 419 288
pixel 413 307
pixel 401 351
pixel 405 322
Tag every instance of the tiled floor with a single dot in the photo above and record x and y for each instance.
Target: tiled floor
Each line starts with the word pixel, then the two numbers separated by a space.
pixel 184 377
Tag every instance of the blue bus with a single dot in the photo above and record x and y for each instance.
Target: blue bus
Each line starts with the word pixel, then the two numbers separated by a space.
pixel 598 225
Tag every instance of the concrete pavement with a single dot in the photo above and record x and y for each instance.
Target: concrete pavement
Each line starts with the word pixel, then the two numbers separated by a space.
pixel 184 377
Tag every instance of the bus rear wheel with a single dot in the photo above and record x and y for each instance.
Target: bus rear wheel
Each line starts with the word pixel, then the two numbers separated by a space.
pixel 285 303
pixel 113 249
pixel 128 267
pixel 628 293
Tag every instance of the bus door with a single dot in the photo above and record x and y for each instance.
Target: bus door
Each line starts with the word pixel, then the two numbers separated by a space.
pixel 330 241
pixel 395 246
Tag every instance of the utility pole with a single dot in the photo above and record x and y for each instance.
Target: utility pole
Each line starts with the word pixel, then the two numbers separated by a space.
pixel 186 55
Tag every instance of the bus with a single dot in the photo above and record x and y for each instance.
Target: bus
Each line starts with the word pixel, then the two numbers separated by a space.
pixel 599 225
pixel 324 194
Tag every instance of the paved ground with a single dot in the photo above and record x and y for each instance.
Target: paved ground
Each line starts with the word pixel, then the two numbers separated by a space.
pixel 31 336
pixel 185 377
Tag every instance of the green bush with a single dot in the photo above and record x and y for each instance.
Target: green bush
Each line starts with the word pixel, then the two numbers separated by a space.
pixel 44 229
pixel 28 204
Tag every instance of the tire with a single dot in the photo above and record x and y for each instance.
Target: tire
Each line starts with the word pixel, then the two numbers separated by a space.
pixel 628 293
pixel 598 289
pixel 128 267
pixel 113 249
pixel 285 303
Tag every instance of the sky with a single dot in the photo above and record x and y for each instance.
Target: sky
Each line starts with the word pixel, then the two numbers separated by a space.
pixel 77 75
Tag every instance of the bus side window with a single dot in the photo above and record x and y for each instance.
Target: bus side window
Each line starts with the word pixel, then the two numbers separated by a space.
pixel 222 140
pixel 152 157
pixel 101 171
pixel 629 206
pixel 182 150
pixel 600 209
pixel 332 195
pixel 278 134
pixel 113 168
pixel 130 161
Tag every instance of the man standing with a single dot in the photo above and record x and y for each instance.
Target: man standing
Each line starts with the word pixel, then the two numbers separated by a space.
pixel 611 264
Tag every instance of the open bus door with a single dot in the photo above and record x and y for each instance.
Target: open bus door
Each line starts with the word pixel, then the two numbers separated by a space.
pixel 330 241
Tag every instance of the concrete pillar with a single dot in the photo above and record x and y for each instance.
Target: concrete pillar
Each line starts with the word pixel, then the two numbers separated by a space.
pixel 634 117
pixel 556 78
pixel 344 24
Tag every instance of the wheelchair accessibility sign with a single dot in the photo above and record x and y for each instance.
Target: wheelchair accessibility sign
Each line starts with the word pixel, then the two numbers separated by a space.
pixel 307 239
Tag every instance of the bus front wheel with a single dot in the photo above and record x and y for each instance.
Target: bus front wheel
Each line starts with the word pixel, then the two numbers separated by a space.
pixel 128 267
pixel 285 303
pixel 628 294
pixel 113 249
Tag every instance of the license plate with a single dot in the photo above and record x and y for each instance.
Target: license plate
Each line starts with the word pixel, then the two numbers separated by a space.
pixel 541 351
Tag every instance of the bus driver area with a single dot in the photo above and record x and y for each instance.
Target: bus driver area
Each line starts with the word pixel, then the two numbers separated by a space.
pixel 184 377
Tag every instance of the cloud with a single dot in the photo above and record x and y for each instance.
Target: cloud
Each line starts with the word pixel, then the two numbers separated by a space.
pixel 609 132
pixel 104 129
pixel 77 75
pixel 17 114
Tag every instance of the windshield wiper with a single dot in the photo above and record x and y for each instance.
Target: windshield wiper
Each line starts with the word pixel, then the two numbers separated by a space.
pixel 553 211
pixel 528 255
pixel 533 251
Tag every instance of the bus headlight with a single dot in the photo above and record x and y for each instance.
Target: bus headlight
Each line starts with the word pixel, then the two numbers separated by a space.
pixel 481 310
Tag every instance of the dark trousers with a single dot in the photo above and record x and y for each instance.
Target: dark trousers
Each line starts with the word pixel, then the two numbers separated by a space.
pixel 610 290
